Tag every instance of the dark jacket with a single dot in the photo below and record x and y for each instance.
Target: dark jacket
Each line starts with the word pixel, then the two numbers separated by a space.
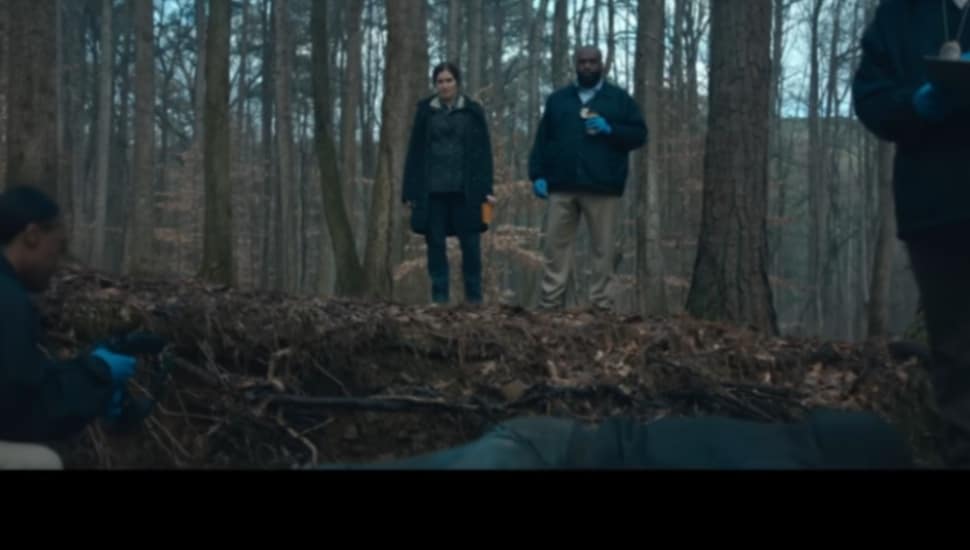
pixel 572 160
pixel 825 440
pixel 932 165
pixel 41 399
pixel 476 171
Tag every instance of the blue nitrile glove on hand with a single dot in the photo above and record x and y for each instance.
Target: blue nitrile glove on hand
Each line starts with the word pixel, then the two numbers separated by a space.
pixel 935 105
pixel 122 367
pixel 599 125
pixel 931 104
pixel 541 188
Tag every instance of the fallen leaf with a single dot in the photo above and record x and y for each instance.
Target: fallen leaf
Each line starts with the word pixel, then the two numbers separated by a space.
pixel 489 367
pixel 513 391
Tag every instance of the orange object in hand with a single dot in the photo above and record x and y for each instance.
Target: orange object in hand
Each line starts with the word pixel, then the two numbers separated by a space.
pixel 488 211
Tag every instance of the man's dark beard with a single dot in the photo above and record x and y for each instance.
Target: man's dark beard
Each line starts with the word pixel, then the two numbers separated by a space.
pixel 589 81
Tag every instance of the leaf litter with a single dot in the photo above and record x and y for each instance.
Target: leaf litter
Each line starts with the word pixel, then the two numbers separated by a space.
pixel 268 381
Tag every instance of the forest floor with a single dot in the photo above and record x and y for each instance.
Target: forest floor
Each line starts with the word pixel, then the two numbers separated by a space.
pixel 266 381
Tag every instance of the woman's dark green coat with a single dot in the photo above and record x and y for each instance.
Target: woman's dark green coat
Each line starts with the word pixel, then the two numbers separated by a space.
pixel 477 170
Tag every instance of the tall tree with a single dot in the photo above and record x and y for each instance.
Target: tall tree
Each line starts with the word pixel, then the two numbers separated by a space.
pixel 4 96
pixel 815 186
pixel 730 279
pixel 350 102
pixel 63 162
pixel 534 57
pixel 559 74
pixel 243 82
pixel 350 276
pixel 454 30
pixel 476 47
pixel 651 291
pixel 105 107
pixel 218 265
pixel 141 220
pixel 31 94
pixel 878 310
pixel 271 249
pixel 611 36
pixel 200 57
pixel 405 30
pixel 289 217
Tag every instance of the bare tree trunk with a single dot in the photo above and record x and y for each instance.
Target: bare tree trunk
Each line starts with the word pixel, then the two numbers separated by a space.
pixel 420 71
pixel 32 95
pixel 73 49
pixel 651 290
pixel 200 40
pixel 611 37
pixel 596 24
pixel 4 95
pixel 404 31
pixel 218 263
pixel 288 220
pixel 105 103
pixel 351 98
pixel 454 30
pixel 730 281
pixel 350 276
pixel 677 55
pixel 476 49
pixel 243 73
pixel 559 75
pixel 878 313
pixel 497 78
pixel 64 191
pixel 536 33
pixel 141 224
pixel 271 249
pixel 578 17
pixel 777 53
pixel 814 164
pixel 119 168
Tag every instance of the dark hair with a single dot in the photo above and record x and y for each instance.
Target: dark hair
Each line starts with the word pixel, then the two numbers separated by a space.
pixel 21 206
pixel 446 66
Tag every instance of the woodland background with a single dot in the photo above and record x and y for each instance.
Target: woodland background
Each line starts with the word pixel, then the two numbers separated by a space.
pixel 259 144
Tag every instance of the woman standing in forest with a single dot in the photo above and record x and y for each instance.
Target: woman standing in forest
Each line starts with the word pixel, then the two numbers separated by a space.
pixel 447 179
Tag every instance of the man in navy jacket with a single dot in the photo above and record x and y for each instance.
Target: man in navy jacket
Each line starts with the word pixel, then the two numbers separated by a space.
pixel 931 129
pixel 579 161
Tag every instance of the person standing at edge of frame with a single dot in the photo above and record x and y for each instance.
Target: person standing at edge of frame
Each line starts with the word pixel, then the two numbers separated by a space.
pixel 580 162
pixel 447 178
pixel 931 129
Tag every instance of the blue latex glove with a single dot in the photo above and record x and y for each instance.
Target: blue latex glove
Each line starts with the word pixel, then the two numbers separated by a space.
pixel 541 188
pixel 122 367
pixel 935 105
pixel 930 104
pixel 599 125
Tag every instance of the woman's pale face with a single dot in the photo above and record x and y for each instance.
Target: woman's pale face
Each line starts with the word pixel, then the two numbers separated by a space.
pixel 446 85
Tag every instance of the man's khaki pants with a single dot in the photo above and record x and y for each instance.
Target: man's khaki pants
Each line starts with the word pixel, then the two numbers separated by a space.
pixel 24 456
pixel 565 210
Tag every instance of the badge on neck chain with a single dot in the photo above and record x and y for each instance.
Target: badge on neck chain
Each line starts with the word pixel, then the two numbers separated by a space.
pixel 951 48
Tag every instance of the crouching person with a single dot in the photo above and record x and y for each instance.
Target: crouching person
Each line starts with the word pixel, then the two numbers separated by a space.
pixel 42 400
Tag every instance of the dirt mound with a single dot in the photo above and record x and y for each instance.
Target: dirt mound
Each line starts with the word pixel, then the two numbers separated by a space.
pixel 264 380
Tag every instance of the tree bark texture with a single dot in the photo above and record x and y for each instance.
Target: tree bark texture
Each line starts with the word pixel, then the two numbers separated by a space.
pixel 730 281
